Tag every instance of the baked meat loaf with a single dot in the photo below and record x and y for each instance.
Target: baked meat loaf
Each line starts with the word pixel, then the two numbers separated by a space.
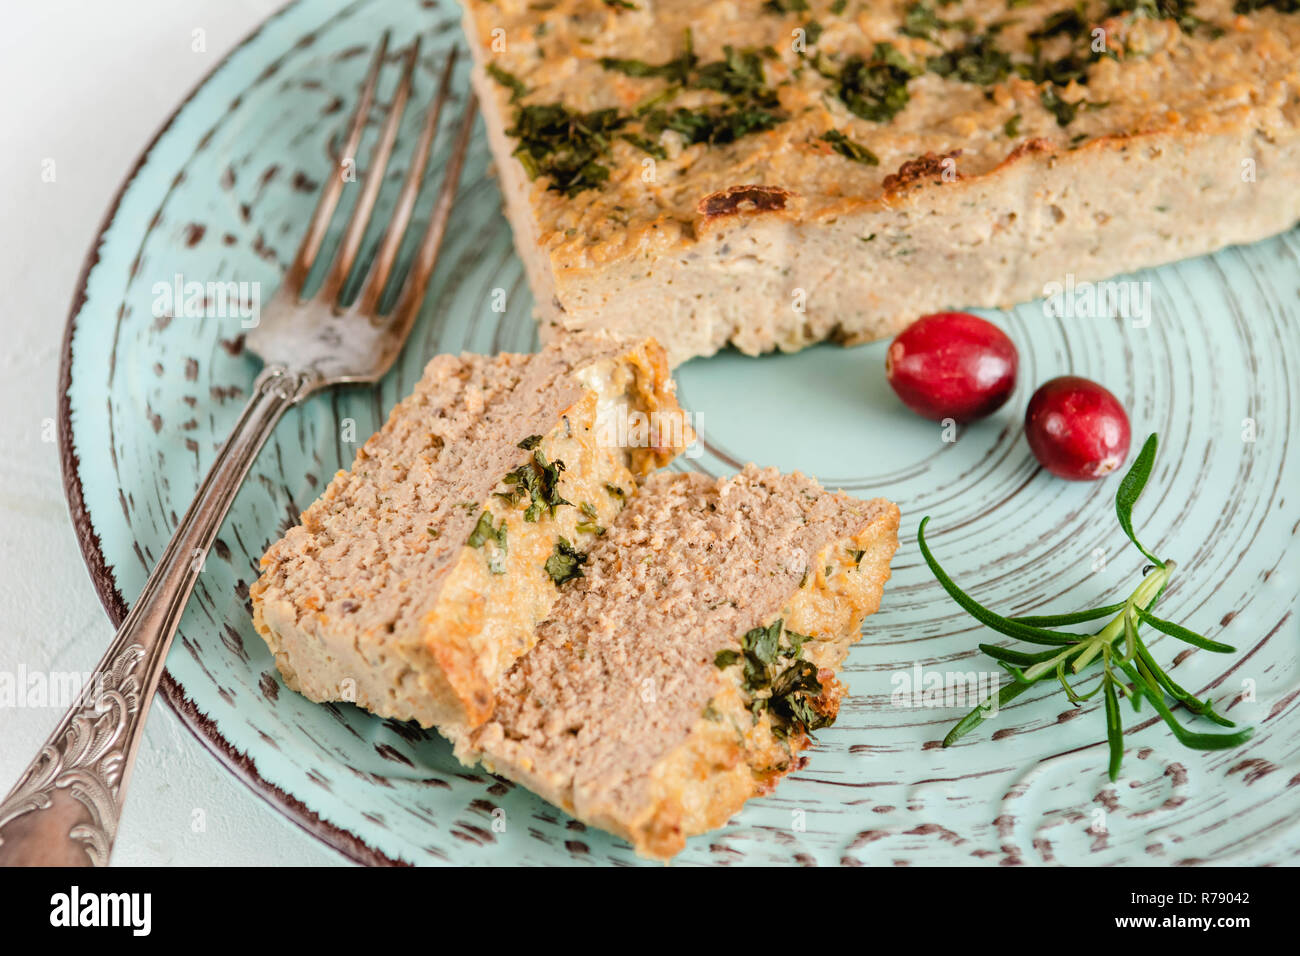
pixel 419 577
pixel 770 174
pixel 685 670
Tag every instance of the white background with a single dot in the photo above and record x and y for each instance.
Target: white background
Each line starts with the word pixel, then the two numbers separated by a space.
pixel 87 84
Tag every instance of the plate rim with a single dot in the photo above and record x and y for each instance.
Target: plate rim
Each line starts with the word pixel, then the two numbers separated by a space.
pixel 238 763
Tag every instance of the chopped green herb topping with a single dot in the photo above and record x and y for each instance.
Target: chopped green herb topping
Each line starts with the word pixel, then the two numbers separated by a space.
pixel 920 21
pixel 565 562
pixel 1069 22
pixel 790 689
pixel 792 695
pixel 849 148
pixel 1180 11
pixel 1071 68
pixel 1064 111
pixel 646 145
pixel 738 73
pixel 484 532
pixel 760 647
pixel 589 524
pixel 677 69
pixel 714 126
pixel 531 442
pixel 751 106
pixel 567 146
pixel 573 148
pixel 796 642
pixel 875 89
pixel 977 61
pixel 538 481
pixel 511 82
pixel 1281 6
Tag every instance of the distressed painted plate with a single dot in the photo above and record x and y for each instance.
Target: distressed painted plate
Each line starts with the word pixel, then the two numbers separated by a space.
pixel 149 390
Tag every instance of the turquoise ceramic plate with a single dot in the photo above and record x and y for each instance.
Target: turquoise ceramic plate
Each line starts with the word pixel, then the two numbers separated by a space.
pixel 149 391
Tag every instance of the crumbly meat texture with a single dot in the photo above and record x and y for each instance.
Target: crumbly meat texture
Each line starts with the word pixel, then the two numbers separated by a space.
pixel 833 171
pixel 419 576
pixel 684 671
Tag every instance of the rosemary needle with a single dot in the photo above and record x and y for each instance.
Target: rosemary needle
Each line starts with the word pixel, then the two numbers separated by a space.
pixel 1118 646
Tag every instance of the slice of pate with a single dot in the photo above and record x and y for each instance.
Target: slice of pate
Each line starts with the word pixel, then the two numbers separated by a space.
pixel 685 670
pixel 419 577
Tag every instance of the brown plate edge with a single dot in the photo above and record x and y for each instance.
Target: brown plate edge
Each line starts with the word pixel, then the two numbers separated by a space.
pixel 101 575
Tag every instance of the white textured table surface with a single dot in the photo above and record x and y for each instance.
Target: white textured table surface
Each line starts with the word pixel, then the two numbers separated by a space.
pixel 87 84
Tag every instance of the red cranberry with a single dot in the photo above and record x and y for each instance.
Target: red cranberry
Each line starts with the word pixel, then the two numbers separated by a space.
pixel 952 365
pixel 1077 429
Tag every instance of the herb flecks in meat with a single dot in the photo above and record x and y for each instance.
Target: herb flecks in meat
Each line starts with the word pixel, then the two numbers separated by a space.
pixel 565 562
pixel 777 680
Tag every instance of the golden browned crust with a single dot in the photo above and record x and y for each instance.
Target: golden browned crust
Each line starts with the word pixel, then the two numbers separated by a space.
pixel 659 239
pixel 655 393
pixel 928 168
pixel 736 200
pixel 1157 78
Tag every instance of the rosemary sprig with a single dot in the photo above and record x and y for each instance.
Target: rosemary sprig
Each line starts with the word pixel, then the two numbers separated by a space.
pixel 1118 646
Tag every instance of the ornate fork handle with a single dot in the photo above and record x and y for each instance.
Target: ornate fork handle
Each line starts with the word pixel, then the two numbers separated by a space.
pixel 65 807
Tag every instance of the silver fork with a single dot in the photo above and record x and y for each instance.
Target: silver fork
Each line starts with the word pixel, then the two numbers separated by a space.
pixel 65 807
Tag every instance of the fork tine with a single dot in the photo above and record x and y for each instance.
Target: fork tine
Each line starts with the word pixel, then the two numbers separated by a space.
pixel 350 244
pixel 373 290
pixel 329 197
pixel 408 304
